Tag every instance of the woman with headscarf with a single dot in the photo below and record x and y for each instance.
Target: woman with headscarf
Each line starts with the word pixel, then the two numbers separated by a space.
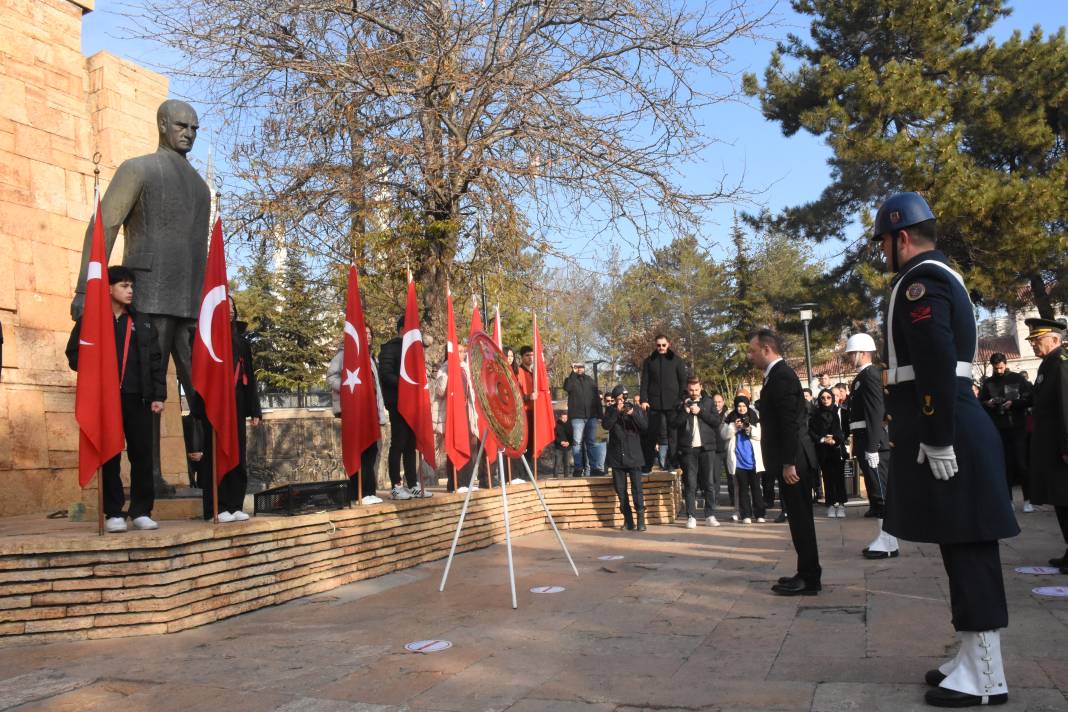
pixel 742 434
pixel 825 428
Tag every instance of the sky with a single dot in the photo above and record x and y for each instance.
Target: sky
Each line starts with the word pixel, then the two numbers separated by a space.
pixel 776 170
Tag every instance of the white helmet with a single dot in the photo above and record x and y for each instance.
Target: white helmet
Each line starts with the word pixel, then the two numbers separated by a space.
pixel 860 342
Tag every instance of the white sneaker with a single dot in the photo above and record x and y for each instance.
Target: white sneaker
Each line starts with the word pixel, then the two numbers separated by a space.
pixel 832 512
pixel 114 525
pixel 145 522
pixel 691 523
pixel 712 522
pixel 462 489
pixel 226 518
pixel 840 511
pixel 517 481
pixel 369 499
pixel 734 517
pixel 239 516
pixel 418 492
pixel 747 520
pixel 400 492
pixel 1028 507
pixel 761 520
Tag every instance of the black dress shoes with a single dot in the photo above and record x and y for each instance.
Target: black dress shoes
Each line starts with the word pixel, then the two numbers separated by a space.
pixel 789 579
pixel 934 677
pixel 796 587
pixel 870 514
pixel 869 554
pixel 1059 562
pixel 941 697
pixel 781 518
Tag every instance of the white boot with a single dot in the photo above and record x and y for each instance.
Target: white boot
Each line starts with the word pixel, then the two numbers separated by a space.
pixel 949 666
pixel 979 670
pixel 883 546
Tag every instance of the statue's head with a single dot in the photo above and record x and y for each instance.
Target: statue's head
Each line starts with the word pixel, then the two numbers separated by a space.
pixel 178 126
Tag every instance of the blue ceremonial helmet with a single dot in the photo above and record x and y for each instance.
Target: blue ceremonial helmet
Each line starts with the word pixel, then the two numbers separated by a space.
pixel 900 211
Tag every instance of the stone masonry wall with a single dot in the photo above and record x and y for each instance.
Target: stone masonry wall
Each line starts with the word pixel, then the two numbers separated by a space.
pixel 57 109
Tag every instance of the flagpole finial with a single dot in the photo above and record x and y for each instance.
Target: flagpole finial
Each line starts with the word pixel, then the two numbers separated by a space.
pixel 96 170
pixel 218 195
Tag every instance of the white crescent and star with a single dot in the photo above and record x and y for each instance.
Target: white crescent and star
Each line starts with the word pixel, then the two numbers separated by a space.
pixel 410 337
pixel 212 299
pixel 95 271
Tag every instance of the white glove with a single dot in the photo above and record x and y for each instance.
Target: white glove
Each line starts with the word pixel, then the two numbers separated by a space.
pixel 943 460
pixel 872 459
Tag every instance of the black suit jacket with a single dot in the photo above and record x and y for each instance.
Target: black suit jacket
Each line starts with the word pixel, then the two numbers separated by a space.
pixel 783 422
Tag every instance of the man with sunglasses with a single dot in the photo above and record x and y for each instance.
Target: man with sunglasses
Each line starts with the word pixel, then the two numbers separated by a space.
pixel 663 385
pixel 947 473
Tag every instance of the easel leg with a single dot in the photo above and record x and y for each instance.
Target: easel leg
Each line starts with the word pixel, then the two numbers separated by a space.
pixel 507 526
pixel 549 514
pixel 463 512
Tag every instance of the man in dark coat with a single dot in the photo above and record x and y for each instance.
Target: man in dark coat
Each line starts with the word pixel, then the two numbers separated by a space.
pixel 947 482
pixel 583 410
pixel 788 455
pixel 625 424
pixel 142 391
pixel 1049 441
pixel 1007 396
pixel 697 422
pixel 663 383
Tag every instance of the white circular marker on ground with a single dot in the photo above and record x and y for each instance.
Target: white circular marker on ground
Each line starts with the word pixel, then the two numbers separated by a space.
pixel 547 589
pixel 428 646
pixel 1037 570
pixel 610 557
pixel 1052 591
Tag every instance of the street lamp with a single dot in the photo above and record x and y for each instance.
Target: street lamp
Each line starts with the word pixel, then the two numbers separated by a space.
pixel 805 310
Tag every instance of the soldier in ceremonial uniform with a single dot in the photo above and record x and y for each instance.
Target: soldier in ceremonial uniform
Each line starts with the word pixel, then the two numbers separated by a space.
pixel 1049 442
pixel 947 485
pixel 867 416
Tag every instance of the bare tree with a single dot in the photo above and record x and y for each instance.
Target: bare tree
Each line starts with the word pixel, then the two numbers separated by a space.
pixel 380 128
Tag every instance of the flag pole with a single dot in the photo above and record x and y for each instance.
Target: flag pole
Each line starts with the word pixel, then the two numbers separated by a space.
pixel 100 470
pixel 534 402
pixel 214 477
pixel 100 501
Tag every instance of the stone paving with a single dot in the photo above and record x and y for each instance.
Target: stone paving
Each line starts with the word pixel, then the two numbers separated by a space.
pixel 684 622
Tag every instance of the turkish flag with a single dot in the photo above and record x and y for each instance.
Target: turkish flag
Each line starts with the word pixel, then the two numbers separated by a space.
pixel 97 407
pixel 490 445
pixel 213 360
pixel 413 391
pixel 457 426
pixel 544 419
pixel 359 402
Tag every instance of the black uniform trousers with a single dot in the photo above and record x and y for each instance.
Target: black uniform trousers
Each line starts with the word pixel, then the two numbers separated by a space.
pixel 368 482
pixel 719 469
pixel 232 487
pixel 797 503
pixel 750 497
pixel 619 479
pixel 697 472
pixel 833 470
pixel 1062 520
pixel 401 447
pixel 976 587
pixel 1014 445
pixel 137 424
pixel 875 481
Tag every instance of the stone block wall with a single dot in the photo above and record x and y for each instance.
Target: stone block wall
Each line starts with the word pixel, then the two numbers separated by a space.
pixel 58 109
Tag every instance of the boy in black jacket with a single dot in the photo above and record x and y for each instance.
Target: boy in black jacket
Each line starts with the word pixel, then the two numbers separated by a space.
pixel 561 445
pixel 143 388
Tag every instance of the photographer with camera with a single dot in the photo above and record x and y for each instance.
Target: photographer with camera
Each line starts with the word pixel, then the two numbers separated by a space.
pixel 697 423
pixel 625 424
pixel 744 460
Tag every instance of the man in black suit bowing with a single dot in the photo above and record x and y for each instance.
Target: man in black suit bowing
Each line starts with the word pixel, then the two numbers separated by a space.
pixel 782 414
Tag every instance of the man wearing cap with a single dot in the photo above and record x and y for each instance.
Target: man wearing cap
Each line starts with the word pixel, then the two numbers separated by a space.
pixel 1006 396
pixel 1049 441
pixel 867 415
pixel 947 478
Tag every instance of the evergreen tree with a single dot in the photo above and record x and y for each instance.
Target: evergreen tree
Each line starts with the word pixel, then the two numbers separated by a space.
pixel 908 100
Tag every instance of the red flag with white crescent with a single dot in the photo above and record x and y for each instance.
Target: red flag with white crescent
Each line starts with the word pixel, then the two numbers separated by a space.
pixel 457 426
pixel 97 407
pixel 544 419
pixel 413 390
pixel 213 361
pixel 491 445
pixel 359 402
